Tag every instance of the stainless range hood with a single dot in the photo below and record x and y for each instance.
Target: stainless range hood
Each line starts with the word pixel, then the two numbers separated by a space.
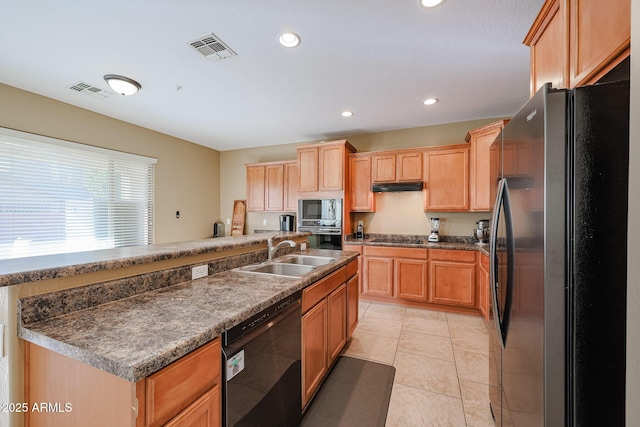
pixel 396 187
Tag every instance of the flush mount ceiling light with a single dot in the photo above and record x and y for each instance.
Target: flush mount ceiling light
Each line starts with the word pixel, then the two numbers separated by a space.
pixel 430 101
pixel 122 85
pixel 289 39
pixel 430 3
pixel 347 113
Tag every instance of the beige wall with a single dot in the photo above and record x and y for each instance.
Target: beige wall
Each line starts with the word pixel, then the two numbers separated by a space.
pixel 389 206
pixel 633 258
pixel 187 176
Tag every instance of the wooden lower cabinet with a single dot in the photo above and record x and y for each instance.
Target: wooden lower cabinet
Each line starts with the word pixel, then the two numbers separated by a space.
pixel 410 279
pixel 484 290
pixel 336 322
pixel 184 393
pixel 353 298
pixel 452 277
pixel 378 276
pixel 314 349
pixel 204 412
pixel 395 272
pixel 327 315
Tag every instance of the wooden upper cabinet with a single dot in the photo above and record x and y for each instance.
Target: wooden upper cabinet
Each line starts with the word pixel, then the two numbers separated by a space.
pixel 290 186
pixel 384 167
pixel 548 40
pixel 322 167
pixel 331 168
pixel 397 167
pixel 600 34
pixel 274 187
pixel 362 198
pixel 308 169
pixel 409 166
pixel 446 175
pixel 480 141
pixel 255 187
pixel 575 42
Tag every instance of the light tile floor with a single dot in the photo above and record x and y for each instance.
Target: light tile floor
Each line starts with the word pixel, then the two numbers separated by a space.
pixel 441 362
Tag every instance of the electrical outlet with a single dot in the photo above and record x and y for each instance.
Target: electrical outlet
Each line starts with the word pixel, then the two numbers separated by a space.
pixel 264 222
pixel 303 246
pixel 228 221
pixel 199 271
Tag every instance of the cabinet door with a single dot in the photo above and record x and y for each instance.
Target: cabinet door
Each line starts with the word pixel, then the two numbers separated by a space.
pixel 353 291
pixel 314 349
pixel 290 187
pixel 384 168
pixel 446 173
pixel 308 169
pixel 452 283
pixel 362 199
pixel 378 276
pixel 204 412
pixel 331 168
pixel 549 44
pixel 411 279
pixel 336 322
pixel 409 167
pixel 600 33
pixel 255 188
pixel 483 285
pixel 274 191
pixel 480 142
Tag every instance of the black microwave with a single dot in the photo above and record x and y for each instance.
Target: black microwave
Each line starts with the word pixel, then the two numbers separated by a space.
pixel 325 213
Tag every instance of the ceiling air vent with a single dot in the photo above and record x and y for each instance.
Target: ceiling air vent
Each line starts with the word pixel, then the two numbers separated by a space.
pixel 94 92
pixel 212 47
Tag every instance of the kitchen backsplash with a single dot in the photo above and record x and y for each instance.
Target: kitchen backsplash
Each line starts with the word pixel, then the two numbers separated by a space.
pixel 403 213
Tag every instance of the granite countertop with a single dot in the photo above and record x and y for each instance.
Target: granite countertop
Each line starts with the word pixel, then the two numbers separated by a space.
pixel 139 335
pixel 31 269
pixel 419 241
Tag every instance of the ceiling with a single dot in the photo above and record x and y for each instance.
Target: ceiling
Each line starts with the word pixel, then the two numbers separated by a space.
pixel 377 58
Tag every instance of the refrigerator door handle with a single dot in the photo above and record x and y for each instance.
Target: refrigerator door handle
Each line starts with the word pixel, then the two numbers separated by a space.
pixel 502 314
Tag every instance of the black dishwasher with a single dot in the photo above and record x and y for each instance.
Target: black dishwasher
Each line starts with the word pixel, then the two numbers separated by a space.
pixel 262 368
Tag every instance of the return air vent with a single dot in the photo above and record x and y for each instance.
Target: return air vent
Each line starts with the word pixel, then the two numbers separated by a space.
pixel 94 92
pixel 212 48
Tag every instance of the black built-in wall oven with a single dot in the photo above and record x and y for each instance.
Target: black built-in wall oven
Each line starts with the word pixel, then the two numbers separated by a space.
pixel 323 219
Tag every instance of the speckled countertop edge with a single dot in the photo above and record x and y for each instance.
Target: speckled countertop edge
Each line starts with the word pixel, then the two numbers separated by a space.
pixel 31 269
pixel 411 241
pixel 139 335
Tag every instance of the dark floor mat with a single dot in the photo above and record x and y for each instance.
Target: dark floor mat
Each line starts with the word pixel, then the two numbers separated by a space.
pixel 356 393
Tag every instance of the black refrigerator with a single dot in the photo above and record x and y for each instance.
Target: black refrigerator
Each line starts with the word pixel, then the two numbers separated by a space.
pixel 558 254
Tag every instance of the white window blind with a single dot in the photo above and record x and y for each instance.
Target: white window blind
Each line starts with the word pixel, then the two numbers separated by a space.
pixel 58 197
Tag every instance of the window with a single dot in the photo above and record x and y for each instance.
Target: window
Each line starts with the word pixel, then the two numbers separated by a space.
pixel 58 197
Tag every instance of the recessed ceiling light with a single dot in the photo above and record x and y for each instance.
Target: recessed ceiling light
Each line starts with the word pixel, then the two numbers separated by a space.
pixel 430 3
pixel 347 113
pixel 430 101
pixel 122 85
pixel 289 39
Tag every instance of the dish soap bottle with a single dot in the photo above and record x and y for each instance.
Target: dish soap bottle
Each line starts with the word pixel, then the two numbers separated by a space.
pixel 359 231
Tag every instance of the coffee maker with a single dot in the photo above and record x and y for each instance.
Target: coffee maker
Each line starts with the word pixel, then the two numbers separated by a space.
pixel 287 222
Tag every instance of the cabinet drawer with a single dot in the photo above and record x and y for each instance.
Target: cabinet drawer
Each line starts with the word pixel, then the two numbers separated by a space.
pixel 452 255
pixel 393 252
pixel 352 268
pixel 316 292
pixel 176 386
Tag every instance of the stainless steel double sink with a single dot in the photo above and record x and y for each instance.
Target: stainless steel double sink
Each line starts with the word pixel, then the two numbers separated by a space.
pixel 289 266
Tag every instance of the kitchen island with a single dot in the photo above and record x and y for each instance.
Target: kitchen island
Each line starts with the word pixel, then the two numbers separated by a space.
pixel 129 313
